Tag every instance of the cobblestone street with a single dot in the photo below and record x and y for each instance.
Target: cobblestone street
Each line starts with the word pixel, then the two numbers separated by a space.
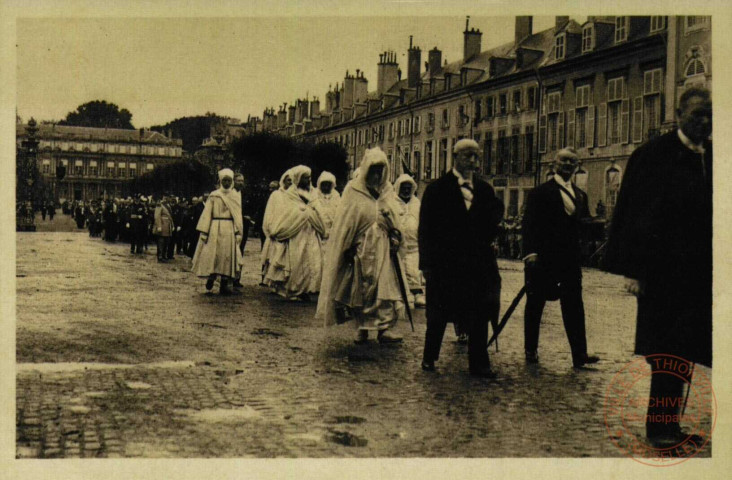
pixel 119 356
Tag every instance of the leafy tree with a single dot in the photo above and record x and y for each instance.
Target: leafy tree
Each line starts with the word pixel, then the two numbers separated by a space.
pixel 186 178
pixel 100 114
pixel 192 130
pixel 331 157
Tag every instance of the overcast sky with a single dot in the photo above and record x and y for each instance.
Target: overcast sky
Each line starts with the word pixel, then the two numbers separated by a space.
pixel 161 69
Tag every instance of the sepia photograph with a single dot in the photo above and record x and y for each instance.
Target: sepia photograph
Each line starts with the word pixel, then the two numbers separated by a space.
pixel 281 233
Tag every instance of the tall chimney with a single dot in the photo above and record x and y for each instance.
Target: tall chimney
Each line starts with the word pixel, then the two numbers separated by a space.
pixel 360 88
pixel 471 41
pixel 413 64
pixel 434 61
pixel 348 82
pixel 314 107
pixel 291 114
pixel 523 29
pixel 387 72
pixel 559 22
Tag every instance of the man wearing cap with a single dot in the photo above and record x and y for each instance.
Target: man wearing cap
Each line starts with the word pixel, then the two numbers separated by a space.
pixel 458 222
pixel 551 240
pixel 137 225
pixel 164 226
pixel 220 225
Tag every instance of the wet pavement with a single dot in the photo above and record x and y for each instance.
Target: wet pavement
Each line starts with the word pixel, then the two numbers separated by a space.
pixel 119 356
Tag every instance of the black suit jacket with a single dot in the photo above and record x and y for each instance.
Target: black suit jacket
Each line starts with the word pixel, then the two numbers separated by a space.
pixel 661 234
pixel 552 234
pixel 455 246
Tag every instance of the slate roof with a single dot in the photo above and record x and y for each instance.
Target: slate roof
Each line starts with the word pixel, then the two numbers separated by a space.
pixel 69 133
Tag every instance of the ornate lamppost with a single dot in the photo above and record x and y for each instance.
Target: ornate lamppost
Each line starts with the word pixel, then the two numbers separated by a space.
pixel 26 175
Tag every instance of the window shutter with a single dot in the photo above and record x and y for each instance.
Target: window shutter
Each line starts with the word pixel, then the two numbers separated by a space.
pixel 570 128
pixel 602 125
pixel 590 135
pixel 637 119
pixel 542 134
pixel 520 155
pixel 560 130
pixel 624 120
pixel 494 156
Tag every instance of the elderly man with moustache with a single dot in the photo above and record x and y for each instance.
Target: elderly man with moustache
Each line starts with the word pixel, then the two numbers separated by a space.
pixel 458 222
pixel 661 241
pixel 551 240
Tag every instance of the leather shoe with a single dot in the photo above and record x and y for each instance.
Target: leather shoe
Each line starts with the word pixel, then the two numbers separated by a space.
pixel 532 357
pixel 210 283
pixel 428 366
pixel 386 337
pixel 675 439
pixel 484 373
pixel 586 360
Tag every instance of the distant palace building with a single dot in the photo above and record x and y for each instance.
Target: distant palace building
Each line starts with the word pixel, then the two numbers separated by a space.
pixel 603 87
pixel 98 161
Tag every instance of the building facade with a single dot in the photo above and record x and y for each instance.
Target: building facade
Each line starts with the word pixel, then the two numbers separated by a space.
pixel 604 87
pixel 98 162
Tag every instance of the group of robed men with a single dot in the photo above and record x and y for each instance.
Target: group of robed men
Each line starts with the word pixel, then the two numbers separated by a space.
pixel 366 251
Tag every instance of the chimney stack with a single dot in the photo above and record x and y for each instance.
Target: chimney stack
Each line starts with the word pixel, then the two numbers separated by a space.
pixel 314 107
pixel 471 41
pixel 360 88
pixel 413 65
pixel 291 114
pixel 559 22
pixel 523 29
pixel 434 61
pixel 387 72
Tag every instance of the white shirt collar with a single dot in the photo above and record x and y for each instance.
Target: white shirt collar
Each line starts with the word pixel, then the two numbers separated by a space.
pixel 689 144
pixel 460 178
pixel 560 181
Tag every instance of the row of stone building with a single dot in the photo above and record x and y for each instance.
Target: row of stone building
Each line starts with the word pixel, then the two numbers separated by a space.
pixel 603 87
pixel 97 162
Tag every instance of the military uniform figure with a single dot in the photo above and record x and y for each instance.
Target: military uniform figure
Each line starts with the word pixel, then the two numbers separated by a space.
pixel 137 226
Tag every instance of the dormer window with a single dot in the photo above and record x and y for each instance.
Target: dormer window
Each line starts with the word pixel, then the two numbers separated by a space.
pixel 658 24
pixel 588 38
pixel 560 46
pixel 621 29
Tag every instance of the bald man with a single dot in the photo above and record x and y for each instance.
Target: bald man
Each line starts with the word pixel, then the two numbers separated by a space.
pixel 551 238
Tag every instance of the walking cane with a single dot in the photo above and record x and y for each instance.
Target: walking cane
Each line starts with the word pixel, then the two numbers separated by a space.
pixel 507 315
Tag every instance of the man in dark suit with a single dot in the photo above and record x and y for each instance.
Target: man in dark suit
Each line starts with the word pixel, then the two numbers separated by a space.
pixel 458 222
pixel 551 241
pixel 661 241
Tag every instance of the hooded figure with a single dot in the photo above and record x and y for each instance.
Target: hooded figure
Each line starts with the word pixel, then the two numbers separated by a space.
pixel 295 261
pixel 220 227
pixel 359 275
pixel 325 200
pixel 407 206
pixel 271 213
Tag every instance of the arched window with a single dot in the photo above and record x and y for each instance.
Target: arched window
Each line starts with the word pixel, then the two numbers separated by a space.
pixel 695 66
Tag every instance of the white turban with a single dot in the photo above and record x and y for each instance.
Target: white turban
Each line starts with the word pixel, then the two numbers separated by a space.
pixel 226 172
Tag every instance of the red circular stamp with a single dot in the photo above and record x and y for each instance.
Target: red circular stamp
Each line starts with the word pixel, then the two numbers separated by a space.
pixel 683 396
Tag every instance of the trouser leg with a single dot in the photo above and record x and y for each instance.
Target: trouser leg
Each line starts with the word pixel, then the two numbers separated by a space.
pixel 573 316
pixel 161 248
pixel 665 402
pixel 478 345
pixel 433 339
pixel 532 320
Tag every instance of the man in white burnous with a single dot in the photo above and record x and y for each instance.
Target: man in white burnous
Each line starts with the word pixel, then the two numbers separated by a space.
pixel 271 213
pixel 220 227
pixel 295 261
pixel 359 276
pixel 326 200
pixel 407 207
